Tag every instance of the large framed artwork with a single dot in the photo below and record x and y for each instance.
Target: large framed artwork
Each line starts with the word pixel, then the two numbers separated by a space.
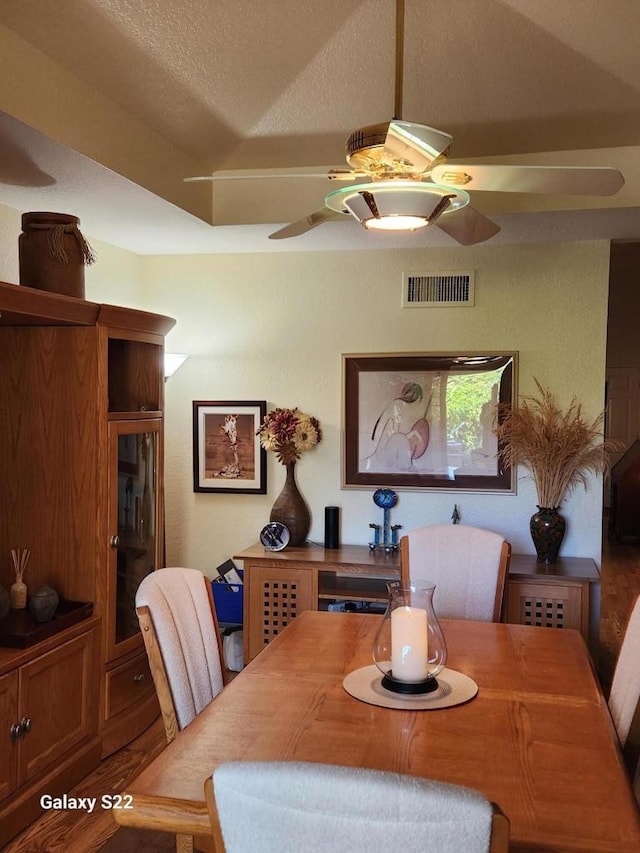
pixel 227 456
pixel 425 420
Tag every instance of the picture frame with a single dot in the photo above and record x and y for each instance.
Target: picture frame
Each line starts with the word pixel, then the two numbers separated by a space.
pixel 425 420
pixel 227 456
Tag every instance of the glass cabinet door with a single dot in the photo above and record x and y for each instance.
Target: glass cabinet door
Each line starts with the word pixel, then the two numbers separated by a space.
pixel 134 521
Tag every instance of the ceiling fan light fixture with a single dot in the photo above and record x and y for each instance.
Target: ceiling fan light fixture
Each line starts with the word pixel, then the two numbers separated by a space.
pixel 396 205
pixel 395 222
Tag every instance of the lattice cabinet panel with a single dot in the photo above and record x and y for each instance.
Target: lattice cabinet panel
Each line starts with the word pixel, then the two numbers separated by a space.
pixel 547 605
pixel 277 596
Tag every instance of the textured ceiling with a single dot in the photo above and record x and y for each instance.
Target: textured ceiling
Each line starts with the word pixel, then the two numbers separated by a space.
pixel 153 91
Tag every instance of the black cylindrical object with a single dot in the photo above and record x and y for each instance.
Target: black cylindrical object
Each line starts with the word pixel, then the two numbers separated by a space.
pixel 332 527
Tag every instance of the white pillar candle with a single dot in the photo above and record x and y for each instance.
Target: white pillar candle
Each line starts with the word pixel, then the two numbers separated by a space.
pixel 409 648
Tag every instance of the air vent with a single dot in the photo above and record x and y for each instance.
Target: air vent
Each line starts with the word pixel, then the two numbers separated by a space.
pixel 435 289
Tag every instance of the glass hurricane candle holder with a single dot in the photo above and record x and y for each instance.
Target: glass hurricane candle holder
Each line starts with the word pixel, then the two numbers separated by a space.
pixel 409 648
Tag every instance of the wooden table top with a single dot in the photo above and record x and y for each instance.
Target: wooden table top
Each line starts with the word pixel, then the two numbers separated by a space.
pixel 537 739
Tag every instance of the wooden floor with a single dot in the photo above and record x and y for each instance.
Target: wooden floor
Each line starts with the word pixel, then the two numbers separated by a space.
pixel 71 832
pixel 66 831
pixel 620 585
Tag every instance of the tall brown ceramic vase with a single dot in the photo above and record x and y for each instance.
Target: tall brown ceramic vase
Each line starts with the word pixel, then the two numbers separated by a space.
pixel 52 253
pixel 291 509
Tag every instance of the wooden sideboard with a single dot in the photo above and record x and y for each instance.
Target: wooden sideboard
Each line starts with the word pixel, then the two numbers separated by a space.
pixel 280 585
pixel 564 595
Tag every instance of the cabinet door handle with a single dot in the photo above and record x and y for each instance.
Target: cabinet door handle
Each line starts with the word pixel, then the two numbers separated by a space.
pixel 114 541
pixel 138 678
pixel 25 725
pixel 15 732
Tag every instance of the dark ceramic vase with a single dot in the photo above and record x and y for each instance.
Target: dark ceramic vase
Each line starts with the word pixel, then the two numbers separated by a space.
pixel 43 603
pixel 291 509
pixel 547 531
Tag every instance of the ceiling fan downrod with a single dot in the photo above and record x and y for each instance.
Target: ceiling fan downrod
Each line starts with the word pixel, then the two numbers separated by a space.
pixel 397 110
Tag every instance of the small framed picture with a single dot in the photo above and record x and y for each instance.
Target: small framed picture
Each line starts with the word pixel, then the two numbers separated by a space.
pixel 227 456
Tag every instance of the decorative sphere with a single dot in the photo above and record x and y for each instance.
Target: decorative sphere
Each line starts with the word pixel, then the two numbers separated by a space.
pixel 385 498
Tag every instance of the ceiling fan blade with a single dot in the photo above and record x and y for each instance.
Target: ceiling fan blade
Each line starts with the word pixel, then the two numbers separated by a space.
pixel 301 226
pixel 467 226
pixel 335 173
pixel 415 144
pixel 563 180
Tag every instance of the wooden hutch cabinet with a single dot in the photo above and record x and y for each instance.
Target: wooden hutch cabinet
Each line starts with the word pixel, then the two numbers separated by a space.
pixel 81 448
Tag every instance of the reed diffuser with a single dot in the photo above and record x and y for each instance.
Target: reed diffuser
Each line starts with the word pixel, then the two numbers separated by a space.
pixel 18 589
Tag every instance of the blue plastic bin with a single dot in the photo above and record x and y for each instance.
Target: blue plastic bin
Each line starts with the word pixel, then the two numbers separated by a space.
pixel 228 600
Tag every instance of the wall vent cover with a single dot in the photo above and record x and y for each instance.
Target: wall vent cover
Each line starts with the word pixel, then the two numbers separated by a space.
pixel 436 289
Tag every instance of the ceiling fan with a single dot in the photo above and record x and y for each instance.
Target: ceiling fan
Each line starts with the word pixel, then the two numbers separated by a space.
pixel 405 181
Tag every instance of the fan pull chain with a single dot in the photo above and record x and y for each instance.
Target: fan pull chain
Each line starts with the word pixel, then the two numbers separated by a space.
pixel 397 112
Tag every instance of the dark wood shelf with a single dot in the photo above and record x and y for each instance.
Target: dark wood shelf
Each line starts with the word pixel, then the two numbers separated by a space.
pixel 351 559
pixel 143 414
pixel 569 568
pixel 19 630
pixel 339 587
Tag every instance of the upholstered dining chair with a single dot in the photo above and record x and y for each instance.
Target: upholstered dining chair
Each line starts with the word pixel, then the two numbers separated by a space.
pixel 286 807
pixel 468 565
pixel 624 696
pixel 180 630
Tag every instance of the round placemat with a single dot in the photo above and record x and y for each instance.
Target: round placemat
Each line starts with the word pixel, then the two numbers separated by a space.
pixel 454 688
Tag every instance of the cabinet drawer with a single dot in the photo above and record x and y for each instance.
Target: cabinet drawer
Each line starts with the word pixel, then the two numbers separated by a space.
pixel 127 684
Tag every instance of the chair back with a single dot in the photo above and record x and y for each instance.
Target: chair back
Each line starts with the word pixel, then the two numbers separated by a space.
pixel 624 696
pixel 179 626
pixel 286 807
pixel 468 565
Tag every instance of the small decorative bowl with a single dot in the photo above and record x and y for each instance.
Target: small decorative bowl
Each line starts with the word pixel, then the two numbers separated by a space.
pixel 43 603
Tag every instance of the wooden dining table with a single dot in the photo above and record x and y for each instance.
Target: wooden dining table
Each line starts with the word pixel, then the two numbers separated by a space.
pixel 537 739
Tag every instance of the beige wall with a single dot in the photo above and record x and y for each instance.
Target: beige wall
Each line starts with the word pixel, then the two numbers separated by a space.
pixel 116 277
pixel 9 233
pixel 274 327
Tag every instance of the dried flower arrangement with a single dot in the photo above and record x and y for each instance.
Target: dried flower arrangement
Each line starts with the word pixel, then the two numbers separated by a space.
pixel 20 559
pixel 558 447
pixel 18 590
pixel 289 432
